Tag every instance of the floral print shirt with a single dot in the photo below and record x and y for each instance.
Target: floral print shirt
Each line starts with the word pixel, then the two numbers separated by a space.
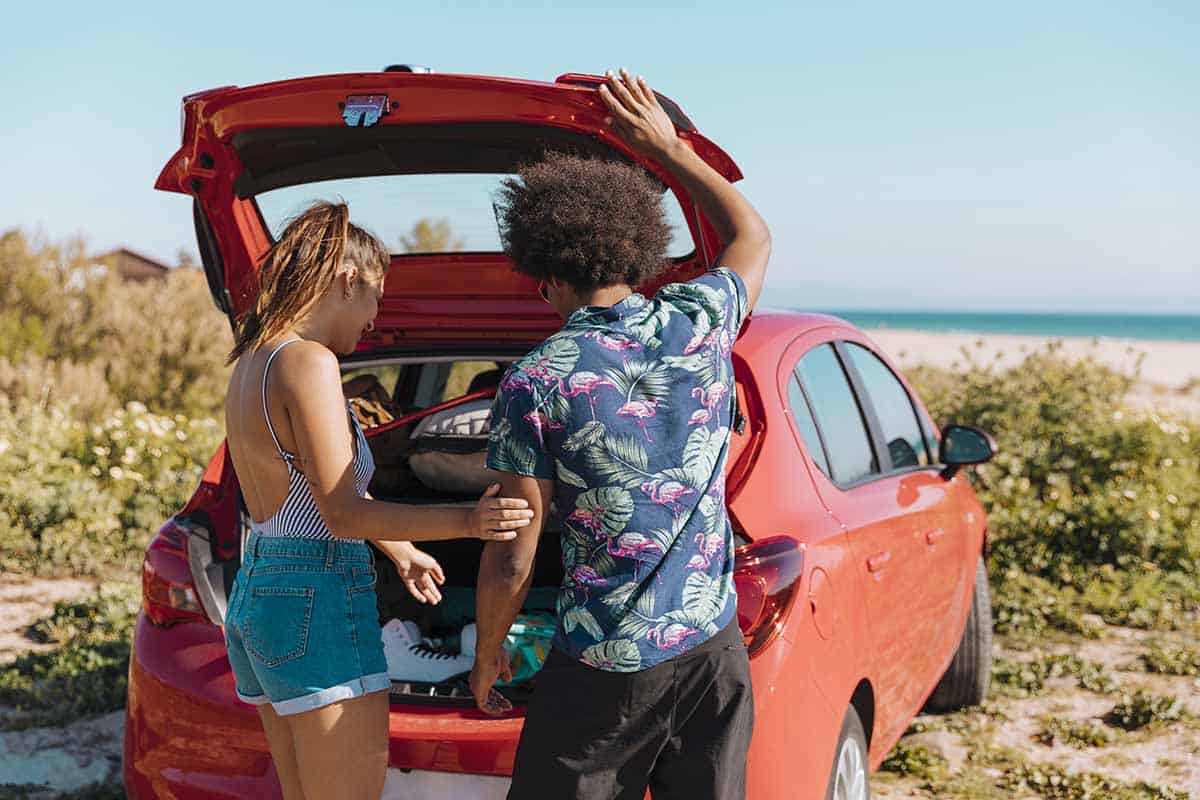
pixel 628 409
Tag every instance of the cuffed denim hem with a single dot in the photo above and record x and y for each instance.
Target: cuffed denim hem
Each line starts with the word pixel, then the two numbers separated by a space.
pixel 253 699
pixel 334 694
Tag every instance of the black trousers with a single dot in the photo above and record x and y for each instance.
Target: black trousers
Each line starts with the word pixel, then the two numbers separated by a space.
pixel 681 728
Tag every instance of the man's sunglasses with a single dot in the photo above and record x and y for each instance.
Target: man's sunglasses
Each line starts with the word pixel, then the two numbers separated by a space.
pixel 544 291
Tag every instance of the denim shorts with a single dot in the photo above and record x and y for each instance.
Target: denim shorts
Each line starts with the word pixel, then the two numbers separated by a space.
pixel 303 628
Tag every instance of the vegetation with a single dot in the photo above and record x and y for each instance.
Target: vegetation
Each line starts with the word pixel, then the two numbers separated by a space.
pixel 1054 783
pixel 1076 733
pixel 1092 508
pixel 85 674
pixel 1027 678
pixel 108 414
pixel 1144 708
pixel 85 498
pixel 431 236
pixel 70 332
pixel 1170 659
pixel 913 760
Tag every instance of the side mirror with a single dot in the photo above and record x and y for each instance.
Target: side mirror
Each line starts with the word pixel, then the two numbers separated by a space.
pixel 962 445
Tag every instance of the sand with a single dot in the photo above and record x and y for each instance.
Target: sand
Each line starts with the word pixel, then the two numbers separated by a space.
pixel 1169 379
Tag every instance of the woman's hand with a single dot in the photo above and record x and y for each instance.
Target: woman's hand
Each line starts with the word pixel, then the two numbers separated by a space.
pixel 497 519
pixel 637 117
pixel 421 572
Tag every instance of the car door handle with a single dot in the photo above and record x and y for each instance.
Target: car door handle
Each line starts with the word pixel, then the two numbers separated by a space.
pixel 876 562
pixel 932 536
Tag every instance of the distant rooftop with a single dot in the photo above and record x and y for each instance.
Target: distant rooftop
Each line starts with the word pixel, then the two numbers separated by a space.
pixel 133 266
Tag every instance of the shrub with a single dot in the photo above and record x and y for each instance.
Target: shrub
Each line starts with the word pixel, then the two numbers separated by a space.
pixel 1169 659
pixel 87 673
pixel 1144 708
pixel 1027 678
pixel 1100 503
pixel 85 498
pixel 1054 783
pixel 1076 733
pixel 1031 605
pixel 913 760
pixel 68 332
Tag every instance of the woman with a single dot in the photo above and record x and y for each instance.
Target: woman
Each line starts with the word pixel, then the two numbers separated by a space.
pixel 302 631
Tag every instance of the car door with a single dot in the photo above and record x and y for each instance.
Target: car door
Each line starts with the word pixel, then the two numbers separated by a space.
pixel 884 519
pixel 924 498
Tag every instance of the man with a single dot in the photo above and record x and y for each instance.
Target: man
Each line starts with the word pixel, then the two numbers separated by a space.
pixel 622 419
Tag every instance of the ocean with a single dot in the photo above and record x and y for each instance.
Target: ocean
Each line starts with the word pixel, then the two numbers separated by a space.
pixel 1177 327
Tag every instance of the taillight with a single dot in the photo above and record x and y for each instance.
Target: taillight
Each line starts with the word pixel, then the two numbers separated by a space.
pixel 767 574
pixel 168 591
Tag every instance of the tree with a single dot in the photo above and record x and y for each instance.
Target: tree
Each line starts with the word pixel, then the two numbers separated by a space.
pixel 431 236
pixel 185 260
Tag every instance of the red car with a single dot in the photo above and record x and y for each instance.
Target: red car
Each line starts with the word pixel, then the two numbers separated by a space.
pixel 861 586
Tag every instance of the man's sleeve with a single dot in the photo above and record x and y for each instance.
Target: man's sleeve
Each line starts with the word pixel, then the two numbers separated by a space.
pixel 516 439
pixel 731 291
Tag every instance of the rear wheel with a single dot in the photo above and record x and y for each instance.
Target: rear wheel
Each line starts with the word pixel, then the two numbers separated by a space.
pixel 848 780
pixel 966 680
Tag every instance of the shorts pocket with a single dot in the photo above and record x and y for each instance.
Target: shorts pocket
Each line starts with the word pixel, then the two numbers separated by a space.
pixel 275 629
pixel 362 579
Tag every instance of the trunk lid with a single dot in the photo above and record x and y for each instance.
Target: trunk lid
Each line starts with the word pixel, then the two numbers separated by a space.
pixel 396 140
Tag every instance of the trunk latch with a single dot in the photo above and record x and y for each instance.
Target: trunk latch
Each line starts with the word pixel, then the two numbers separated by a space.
pixel 364 110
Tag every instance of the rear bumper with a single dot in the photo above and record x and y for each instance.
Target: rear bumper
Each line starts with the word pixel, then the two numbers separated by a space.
pixel 187 734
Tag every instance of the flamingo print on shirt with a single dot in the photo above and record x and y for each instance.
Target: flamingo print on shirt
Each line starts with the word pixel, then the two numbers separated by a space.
pixel 607 409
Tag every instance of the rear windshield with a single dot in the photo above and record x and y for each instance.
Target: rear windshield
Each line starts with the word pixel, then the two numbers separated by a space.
pixel 432 213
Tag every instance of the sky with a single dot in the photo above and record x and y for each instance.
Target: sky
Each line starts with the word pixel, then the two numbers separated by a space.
pixel 924 156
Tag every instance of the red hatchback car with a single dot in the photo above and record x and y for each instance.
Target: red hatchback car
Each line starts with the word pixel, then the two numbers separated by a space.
pixel 861 586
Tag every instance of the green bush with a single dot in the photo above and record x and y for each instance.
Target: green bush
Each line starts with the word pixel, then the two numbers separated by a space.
pixel 1100 502
pixel 86 498
pixel 1169 659
pixel 1054 783
pixel 1028 678
pixel 913 760
pixel 1031 605
pixel 70 333
pixel 86 673
pixel 1076 733
pixel 1144 708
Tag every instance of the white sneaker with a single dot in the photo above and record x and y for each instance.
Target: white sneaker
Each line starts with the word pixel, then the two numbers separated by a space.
pixel 411 659
pixel 469 637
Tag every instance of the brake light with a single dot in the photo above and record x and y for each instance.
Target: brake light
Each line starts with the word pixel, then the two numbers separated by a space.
pixel 168 591
pixel 767 574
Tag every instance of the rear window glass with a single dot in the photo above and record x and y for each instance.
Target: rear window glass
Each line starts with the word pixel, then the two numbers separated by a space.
pixel 838 415
pixel 807 426
pixel 434 213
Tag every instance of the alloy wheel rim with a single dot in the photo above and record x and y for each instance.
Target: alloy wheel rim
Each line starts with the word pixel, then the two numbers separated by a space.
pixel 851 773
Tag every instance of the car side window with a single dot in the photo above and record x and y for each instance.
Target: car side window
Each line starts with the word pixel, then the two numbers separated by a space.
pixel 837 415
pixel 807 426
pixel 893 407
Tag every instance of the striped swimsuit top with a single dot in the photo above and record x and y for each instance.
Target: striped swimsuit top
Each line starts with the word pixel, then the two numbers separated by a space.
pixel 298 515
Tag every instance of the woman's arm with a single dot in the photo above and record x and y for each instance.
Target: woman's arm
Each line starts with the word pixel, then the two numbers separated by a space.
pixel 307 374
pixel 641 122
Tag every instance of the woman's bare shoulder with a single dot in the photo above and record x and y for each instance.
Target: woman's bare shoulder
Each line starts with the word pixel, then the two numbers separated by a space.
pixel 297 365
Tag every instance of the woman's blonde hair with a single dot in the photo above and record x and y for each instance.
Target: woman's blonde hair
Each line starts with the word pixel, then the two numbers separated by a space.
pixel 301 266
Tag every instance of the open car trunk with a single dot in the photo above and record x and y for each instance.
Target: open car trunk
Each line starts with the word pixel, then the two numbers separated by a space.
pixel 429 447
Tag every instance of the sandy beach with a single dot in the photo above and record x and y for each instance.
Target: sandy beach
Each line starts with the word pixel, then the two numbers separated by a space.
pixel 1169 378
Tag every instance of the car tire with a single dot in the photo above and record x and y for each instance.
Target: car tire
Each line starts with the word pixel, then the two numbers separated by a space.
pixel 966 680
pixel 848 779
